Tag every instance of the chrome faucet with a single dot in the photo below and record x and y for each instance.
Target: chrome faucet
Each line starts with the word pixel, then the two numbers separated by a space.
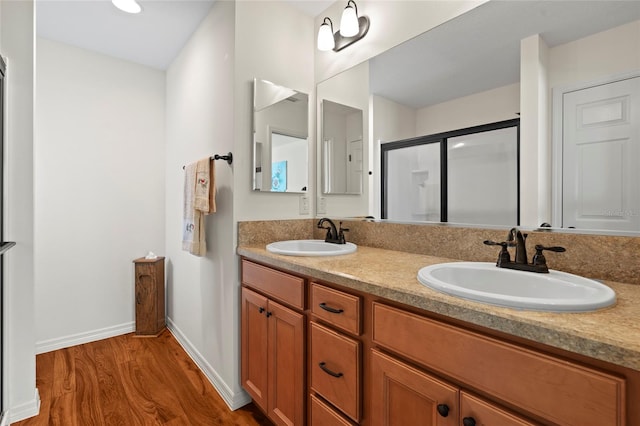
pixel 518 239
pixel 334 235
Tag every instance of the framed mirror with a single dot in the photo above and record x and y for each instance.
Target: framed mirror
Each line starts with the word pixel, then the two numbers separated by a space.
pixel 280 138
pixel 341 148
pixel 446 79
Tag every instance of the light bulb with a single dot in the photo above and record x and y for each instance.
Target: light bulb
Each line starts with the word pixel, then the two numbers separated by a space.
pixel 325 37
pixel 129 6
pixel 349 25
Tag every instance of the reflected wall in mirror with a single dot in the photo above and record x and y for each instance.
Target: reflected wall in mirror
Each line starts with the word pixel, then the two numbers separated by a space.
pixel 341 149
pixel 446 79
pixel 280 138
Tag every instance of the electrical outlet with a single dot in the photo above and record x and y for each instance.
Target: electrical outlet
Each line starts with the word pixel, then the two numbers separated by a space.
pixel 304 204
pixel 322 205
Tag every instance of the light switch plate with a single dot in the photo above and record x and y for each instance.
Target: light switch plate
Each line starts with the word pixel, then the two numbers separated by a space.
pixel 322 205
pixel 304 204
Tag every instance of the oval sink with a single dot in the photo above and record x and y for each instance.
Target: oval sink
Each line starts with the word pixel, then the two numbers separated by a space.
pixel 484 282
pixel 310 248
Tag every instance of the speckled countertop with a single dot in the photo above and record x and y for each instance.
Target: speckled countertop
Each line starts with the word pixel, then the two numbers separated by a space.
pixel 611 335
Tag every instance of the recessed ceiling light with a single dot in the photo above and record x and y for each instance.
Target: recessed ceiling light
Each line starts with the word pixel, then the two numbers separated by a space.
pixel 129 6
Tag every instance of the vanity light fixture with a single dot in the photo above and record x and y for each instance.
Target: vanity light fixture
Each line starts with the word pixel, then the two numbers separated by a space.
pixel 129 6
pixel 352 29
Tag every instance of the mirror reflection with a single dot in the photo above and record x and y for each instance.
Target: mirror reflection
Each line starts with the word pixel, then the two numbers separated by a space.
pixel 280 138
pixel 479 68
pixel 341 149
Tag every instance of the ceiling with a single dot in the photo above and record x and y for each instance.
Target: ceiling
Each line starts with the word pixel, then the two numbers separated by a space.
pixel 153 37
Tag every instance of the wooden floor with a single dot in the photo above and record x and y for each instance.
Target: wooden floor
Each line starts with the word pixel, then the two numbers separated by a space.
pixel 130 381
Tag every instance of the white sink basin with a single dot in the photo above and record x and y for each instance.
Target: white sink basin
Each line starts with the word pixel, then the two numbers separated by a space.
pixel 484 282
pixel 310 248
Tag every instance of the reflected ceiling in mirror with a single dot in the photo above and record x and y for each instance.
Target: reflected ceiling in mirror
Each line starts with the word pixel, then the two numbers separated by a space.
pixel 480 49
pixel 280 138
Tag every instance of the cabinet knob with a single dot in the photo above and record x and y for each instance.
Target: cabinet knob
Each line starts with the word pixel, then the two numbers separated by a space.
pixel 269 314
pixel 469 421
pixel 261 310
pixel 443 410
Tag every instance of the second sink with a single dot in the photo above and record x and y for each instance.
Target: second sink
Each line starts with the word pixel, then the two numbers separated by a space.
pixel 484 282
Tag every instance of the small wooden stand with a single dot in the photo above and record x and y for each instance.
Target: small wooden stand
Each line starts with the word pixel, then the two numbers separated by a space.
pixel 150 311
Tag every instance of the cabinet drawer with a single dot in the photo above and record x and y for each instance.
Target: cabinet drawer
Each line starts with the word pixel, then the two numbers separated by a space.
pixel 335 369
pixel 336 307
pixel 557 390
pixel 323 415
pixel 485 413
pixel 284 287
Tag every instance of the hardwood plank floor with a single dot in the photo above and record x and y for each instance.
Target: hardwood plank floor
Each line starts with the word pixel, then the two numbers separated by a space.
pixel 130 381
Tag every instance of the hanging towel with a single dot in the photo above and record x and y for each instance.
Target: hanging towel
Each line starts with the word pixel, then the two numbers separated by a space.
pixel 199 199
pixel 205 197
pixel 190 217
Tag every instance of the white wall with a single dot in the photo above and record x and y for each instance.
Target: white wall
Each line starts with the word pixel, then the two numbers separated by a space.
pixel 502 103
pixel 202 292
pixel 592 58
pixel 99 190
pixel 274 42
pixel 17 35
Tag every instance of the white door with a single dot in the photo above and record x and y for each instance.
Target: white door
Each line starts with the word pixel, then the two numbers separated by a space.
pixel 601 157
pixel 354 167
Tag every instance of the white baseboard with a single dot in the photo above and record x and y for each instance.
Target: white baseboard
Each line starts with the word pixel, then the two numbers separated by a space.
pixel 25 410
pixel 86 337
pixel 233 400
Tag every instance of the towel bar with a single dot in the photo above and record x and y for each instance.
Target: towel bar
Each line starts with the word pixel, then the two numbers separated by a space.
pixel 228 158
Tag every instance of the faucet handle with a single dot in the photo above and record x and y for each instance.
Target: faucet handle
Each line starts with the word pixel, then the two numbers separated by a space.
pixel 539 259
pixel 504 256
pixel 341 232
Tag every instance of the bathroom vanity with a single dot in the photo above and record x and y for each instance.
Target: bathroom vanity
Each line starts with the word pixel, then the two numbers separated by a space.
pixel 355 339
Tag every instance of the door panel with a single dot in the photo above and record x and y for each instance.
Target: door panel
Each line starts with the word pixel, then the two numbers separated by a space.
pixel 254 346
pixel 403 395
pixel 286 365
pixel 601 157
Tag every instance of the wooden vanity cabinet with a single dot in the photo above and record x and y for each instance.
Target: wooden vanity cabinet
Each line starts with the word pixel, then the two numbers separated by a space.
pixel 273 341
pixel 373 362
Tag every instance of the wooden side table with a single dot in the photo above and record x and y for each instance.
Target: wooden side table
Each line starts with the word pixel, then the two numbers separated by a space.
pixel 150 311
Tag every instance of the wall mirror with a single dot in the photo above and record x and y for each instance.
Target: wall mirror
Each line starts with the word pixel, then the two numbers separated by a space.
pixel 280 138
pixel 341 149
pixel 466 72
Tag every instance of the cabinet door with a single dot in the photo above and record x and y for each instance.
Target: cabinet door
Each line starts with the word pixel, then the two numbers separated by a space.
pixel 478 412
pixel 403 395
pixel 286 365
pixel 254 334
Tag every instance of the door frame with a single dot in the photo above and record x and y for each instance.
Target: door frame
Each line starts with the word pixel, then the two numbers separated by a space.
pixel 557 127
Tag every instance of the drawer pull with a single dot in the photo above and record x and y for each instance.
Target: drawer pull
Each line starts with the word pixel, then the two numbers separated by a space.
pixel 330 309
pixel 443 410
pixel 322 365
pixel 469 421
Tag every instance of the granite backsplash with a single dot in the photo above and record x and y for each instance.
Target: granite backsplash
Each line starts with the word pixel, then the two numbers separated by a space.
pixel 605 257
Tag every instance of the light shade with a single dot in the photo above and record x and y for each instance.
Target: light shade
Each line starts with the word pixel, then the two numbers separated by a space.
pixel 129 6
pixel 349 25
pixel 325 36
